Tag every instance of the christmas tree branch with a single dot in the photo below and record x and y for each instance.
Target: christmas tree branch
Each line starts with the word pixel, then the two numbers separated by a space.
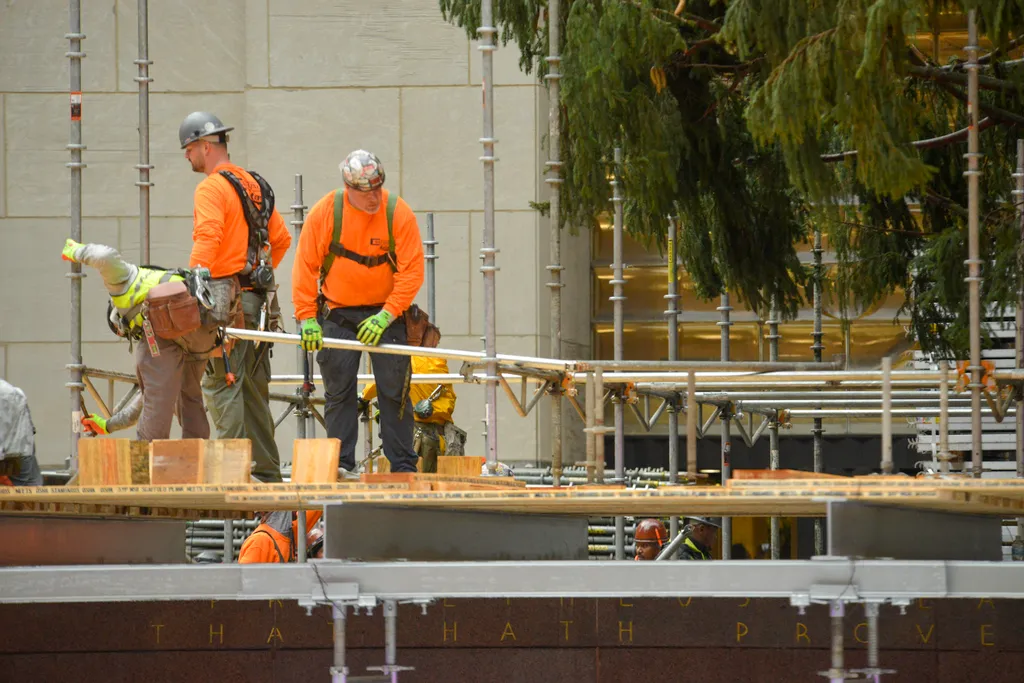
pixel 930 143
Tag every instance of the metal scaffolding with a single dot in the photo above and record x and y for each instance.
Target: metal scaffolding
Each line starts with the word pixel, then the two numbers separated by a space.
pixel 554 180
pixel 488 251
pixel 775 392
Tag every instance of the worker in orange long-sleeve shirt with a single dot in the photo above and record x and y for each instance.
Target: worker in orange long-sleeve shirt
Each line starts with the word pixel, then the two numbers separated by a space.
pixel 358 267
pixel 272 540
pixel 239 236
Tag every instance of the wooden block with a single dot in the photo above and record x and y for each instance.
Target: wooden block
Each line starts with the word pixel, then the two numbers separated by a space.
pixel 176 461
pixel 315 461
pixel 226 461
pixel 460 465
pixel 104 462
pixel 380 465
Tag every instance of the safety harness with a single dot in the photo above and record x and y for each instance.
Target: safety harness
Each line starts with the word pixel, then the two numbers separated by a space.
pixel 257 218
pixel 338 249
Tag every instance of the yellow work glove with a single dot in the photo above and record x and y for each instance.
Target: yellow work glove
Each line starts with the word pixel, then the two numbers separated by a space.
pixel 70 247
pixel 370 330
pixel 312 335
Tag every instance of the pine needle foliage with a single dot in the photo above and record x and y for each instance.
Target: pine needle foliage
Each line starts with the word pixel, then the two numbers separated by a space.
pixel 780 115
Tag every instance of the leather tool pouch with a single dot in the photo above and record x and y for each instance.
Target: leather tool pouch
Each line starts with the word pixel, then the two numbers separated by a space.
pixel 172 310
pixel 419 330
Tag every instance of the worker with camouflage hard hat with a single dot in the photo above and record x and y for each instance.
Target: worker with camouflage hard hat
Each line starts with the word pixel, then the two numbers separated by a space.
pixel 649 538
pixel 357 283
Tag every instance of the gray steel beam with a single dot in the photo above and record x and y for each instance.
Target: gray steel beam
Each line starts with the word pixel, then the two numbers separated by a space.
pixel 816 580
pixel 53 540
pixel 858 529
pixel 405 533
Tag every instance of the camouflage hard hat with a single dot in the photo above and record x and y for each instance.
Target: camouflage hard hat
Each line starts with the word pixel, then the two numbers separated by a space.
pixel 362 171
pixel 200 124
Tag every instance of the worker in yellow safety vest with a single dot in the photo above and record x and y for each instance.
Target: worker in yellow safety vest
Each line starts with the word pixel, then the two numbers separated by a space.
pixel 169 368
pixel 434 432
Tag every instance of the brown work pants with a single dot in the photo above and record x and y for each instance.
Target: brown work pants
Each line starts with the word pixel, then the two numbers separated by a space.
pixel 170 385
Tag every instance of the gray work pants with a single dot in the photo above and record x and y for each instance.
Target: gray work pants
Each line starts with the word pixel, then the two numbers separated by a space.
pixel 170 385
pixel 340 368
pixel 242 410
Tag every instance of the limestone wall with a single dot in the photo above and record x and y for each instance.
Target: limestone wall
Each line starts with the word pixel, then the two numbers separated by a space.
pixel 304 83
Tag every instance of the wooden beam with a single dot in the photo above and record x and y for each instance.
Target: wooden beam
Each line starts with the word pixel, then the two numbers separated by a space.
pixel 176 461
pixel 226 461
pixel 315 460
pixel 460 465
pixel 104 462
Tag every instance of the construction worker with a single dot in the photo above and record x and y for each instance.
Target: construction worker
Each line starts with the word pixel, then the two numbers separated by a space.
pixel 433 405
pixel 18 464
pixel 356 283
pixel 169 371
pixel 700 534
pixel 649 538
pixel 238 235
pixel 271 541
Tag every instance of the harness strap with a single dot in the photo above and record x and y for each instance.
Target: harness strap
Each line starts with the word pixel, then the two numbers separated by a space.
pixel 280 555
pixel 338 249
pixel 257 218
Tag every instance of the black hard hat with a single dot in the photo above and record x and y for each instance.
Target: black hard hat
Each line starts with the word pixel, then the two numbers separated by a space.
pixel 199 124
pixel 710 521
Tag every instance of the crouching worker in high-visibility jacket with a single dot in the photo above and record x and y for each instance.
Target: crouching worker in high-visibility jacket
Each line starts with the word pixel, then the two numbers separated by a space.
pixel 433 404
pixel 169 370
pixel 272 540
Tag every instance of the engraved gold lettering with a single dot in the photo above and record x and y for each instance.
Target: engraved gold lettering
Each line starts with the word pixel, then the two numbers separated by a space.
pixel 566 625
pixel 157 627
pixel 925 637
pixel 453 630
pixel 218 632
pixel 627 629
pixel 275 632
pixel 508 632
pixel 987 635
pixel 741 630
pixel 801 632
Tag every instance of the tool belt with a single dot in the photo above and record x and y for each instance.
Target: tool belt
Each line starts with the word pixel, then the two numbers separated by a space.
pixel 172 310
pixel 226 309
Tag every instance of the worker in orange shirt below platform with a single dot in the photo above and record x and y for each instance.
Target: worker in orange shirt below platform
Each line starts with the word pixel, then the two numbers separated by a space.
pixel 241 238
pixel 649 538
pixel 358 267
pixel 271 541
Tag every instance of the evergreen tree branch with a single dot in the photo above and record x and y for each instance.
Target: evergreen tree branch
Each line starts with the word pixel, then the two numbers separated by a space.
pixel 932 73
pixel 932 197
pixel 930 143
pixel 998 113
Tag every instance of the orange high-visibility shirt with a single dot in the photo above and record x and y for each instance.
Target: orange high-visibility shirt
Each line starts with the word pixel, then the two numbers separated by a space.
pixel 220 234
pixel 259 547
pixel 350 283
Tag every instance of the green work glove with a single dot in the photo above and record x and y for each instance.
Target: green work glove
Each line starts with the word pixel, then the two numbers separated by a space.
pixel 371 329
pixel 94 424
pixel 312 335
pixel 70 247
